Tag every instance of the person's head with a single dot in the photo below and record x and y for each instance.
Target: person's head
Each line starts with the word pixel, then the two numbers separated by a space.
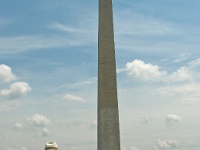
pixel 51 146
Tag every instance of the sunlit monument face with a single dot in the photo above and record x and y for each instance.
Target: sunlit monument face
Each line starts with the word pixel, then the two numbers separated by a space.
pixel 108 118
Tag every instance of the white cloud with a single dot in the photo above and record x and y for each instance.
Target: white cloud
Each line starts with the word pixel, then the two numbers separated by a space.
pixel 181 74
pixel 166 144
pixel 121 70
pixel 74 98
pixel 16 90
pixel 134 148
pixel 142 71
pixel 46 132
pixel 6 74
pixel 139 70
pixel 18 126
pixel 172 118
pixel 38 120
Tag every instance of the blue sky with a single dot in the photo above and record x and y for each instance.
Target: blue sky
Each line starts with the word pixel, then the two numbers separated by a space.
pixel 48 73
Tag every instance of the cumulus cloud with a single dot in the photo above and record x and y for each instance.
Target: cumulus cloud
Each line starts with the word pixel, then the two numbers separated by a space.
pixel 16 90
pixel 142 71
pixel 6 74
pixel 172 118
pixel 73 98
pixel 139 70
pixel 46 132
pixel 38 120
pixel 166 144
pixel 18 126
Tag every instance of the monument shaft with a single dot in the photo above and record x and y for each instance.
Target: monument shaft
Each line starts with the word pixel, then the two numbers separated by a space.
pixel 108 117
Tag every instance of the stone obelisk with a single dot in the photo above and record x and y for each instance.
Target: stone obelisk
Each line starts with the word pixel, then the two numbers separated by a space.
pixel 108 116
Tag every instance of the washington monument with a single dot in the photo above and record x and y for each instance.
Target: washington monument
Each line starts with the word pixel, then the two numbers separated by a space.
pixel 108 116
